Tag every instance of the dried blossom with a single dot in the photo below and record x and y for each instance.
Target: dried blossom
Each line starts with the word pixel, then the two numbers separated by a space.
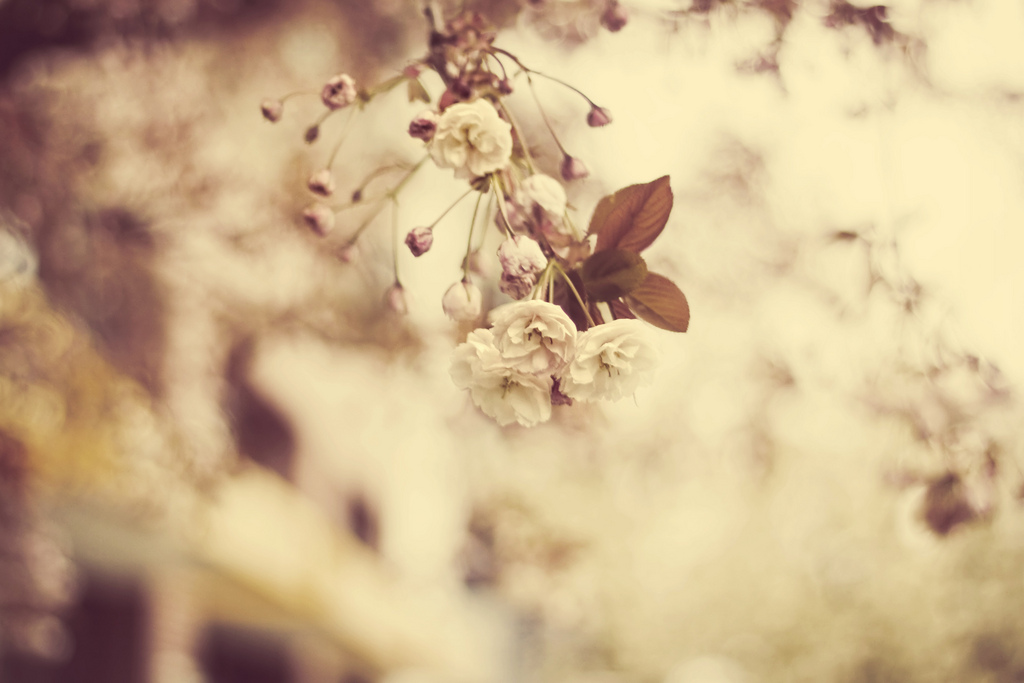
pixel 424 125
pixel 419 240
pixel 339 92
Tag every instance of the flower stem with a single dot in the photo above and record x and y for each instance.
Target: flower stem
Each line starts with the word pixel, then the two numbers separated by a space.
pixel 341 140
pixel 499 193
pixel 393 193
pixel 469 242
pixel 450 207
pixel 394 236
pixel 527 70
pixel 568 281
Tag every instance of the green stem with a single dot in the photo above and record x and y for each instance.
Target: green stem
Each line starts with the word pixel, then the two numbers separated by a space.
pixel 394 236
pixel 341 140
pixel 450 207
pixel 469 242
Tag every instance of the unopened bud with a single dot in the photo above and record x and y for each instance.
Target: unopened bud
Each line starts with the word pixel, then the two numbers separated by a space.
pixel 521 255
pixel 505 86
pixel 348 253
pixel 272 109
pixel 462 301
pixel 598 116
pixel 615 16
pixel 339 92
pixel 321 183
pixel 419 240
pixel 395 299
pixel 411 71
pixel 573 169
pixel 312 133
pixel 424 126
pixel 319 218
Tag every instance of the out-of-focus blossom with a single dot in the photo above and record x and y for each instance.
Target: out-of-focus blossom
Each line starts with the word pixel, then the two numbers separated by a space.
pixel 395 299
pixel 462 301
pixel 543 191
pixel 319 218
pixel 598 116
pixel 321 183
pixel 615 16
pixel 573 169
pixel 612 361
pixel 272 109
pixel 472 139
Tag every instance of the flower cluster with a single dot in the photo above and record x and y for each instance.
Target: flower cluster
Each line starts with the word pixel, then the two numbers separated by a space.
pixel 572 330
pixel 532 356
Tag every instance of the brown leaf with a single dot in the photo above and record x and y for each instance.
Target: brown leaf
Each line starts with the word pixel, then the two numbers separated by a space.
pixel 658 301
pixel 632 218
pixel 612 274
pixel 620 309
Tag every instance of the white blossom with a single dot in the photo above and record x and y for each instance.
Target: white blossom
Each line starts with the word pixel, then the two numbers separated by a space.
pixel 534 337
pixel 462 301
pixel 498 390
pixel 472 139
pixel 612 360
pixel 543 191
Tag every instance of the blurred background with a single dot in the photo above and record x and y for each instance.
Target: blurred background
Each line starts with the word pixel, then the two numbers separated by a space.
pixel 223 458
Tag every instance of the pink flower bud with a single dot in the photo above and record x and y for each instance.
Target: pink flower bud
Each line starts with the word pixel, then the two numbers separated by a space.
pixel 573 169
pixel 424 125
pixel 598 116
pixel 615 16
pixel 312 133
pixel 319 218
pixel 419 240
pixel 272 109
pixel 411 71
pixel 339 92
pixel 462 301
pixel 521 256
pixel 321 183
pixel 395 299
pixel 505 86
pixel 348 253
